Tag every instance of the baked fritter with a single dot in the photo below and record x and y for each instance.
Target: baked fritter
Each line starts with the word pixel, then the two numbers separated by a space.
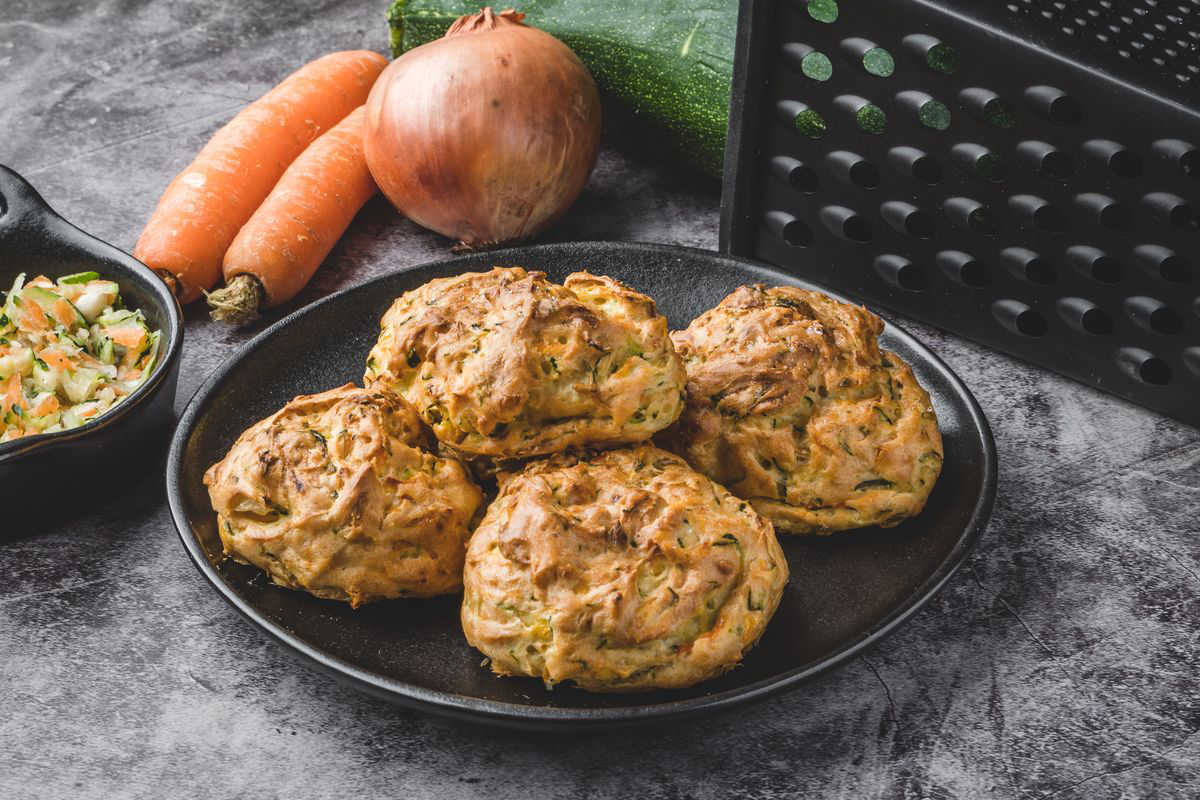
pixel 622 570
pixel 506 364
pixel 336 494
pixel 792 405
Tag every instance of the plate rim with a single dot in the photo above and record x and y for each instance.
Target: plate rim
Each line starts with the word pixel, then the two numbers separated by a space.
pixel 466 707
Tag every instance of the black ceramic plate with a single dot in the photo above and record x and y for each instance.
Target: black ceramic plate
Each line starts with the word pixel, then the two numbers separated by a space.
pixel 845 592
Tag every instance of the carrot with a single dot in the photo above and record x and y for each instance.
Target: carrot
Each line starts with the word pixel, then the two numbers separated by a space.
pixel 48 405
pixel 34 318
pixel 56 358
pixel 64 312
pixel 130 336
pixel 205 206
pixel 285 241
pixel 12 395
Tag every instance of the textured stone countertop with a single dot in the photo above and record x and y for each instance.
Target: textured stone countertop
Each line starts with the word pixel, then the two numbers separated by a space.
pixel 1062 661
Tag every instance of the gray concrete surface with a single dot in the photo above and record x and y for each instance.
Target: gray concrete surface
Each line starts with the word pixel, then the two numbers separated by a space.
pixel 1061 662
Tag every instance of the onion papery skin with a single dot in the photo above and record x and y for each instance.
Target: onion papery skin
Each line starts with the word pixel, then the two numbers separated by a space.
pixel 486 135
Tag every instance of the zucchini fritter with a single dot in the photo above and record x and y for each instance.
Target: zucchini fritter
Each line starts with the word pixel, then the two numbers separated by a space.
pixel 793 406
pixel 622 570
pixel 335 494
pixel 506 364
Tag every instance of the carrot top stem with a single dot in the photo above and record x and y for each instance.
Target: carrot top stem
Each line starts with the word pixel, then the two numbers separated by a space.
pixel 238 302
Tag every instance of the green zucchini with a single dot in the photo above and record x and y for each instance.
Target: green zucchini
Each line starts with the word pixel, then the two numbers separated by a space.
pixel 48 300
pixel 669 62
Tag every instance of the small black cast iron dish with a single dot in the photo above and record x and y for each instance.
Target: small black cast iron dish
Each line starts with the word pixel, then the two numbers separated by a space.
pixel 845 593
pixel 35 240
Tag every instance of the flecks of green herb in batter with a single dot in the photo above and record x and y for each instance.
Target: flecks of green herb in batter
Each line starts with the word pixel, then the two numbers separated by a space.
pixel 278 509
pixel 874 483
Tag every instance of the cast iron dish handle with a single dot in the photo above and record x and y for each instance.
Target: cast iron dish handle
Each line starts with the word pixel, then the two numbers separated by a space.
pixel 20 204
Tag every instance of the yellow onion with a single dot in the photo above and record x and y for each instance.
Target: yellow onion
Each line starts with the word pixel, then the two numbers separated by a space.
pixel 486 135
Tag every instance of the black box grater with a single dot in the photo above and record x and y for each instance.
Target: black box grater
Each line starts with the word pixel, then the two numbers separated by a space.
pixel 1025 174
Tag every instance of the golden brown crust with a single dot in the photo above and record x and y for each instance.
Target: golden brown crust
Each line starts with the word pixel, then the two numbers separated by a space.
pixel 792 405
pixel 335 494
pixel 506 364
pixel 620 571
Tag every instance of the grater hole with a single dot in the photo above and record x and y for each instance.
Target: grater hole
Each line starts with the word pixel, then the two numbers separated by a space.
pixel 916 163
pixel 926 170
pixel 1084 316
pixel 932 52
pixel 964 268
pixel 800 118
pixel 822 10
pixel 1106 270
pixel 1163 262
pixel 1175 269
pixel 874 59
pixel 988 106
pixel 1103 209
pixel 1115 156
pixel 1153 315
pixel 1182 154
pixel 1054 104
pixel 1173 210
pixel 1115 217
pixel 1047 160
pixel 1057 165
pixel 808 61
pixel 868 117
pixel 1156 371
pixel 1191 357
pixel 1038 212
pixel 796 233
pixel 1096 322
pixel 908 219
pixel 853 168
pixel 975 274
pixel 1183 218
pixel 1144 366
pixel 978 161
pixel 857 229
pixel 791 230
pixel 796 174
pixel 1019 318
pixel 1028 265
pixel 901 272
pixel 1049 218
pixel 1189 163
pixel 970 215
pixel 865 175
pixel 1125 163
pixel 845 223
pixel 929 112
